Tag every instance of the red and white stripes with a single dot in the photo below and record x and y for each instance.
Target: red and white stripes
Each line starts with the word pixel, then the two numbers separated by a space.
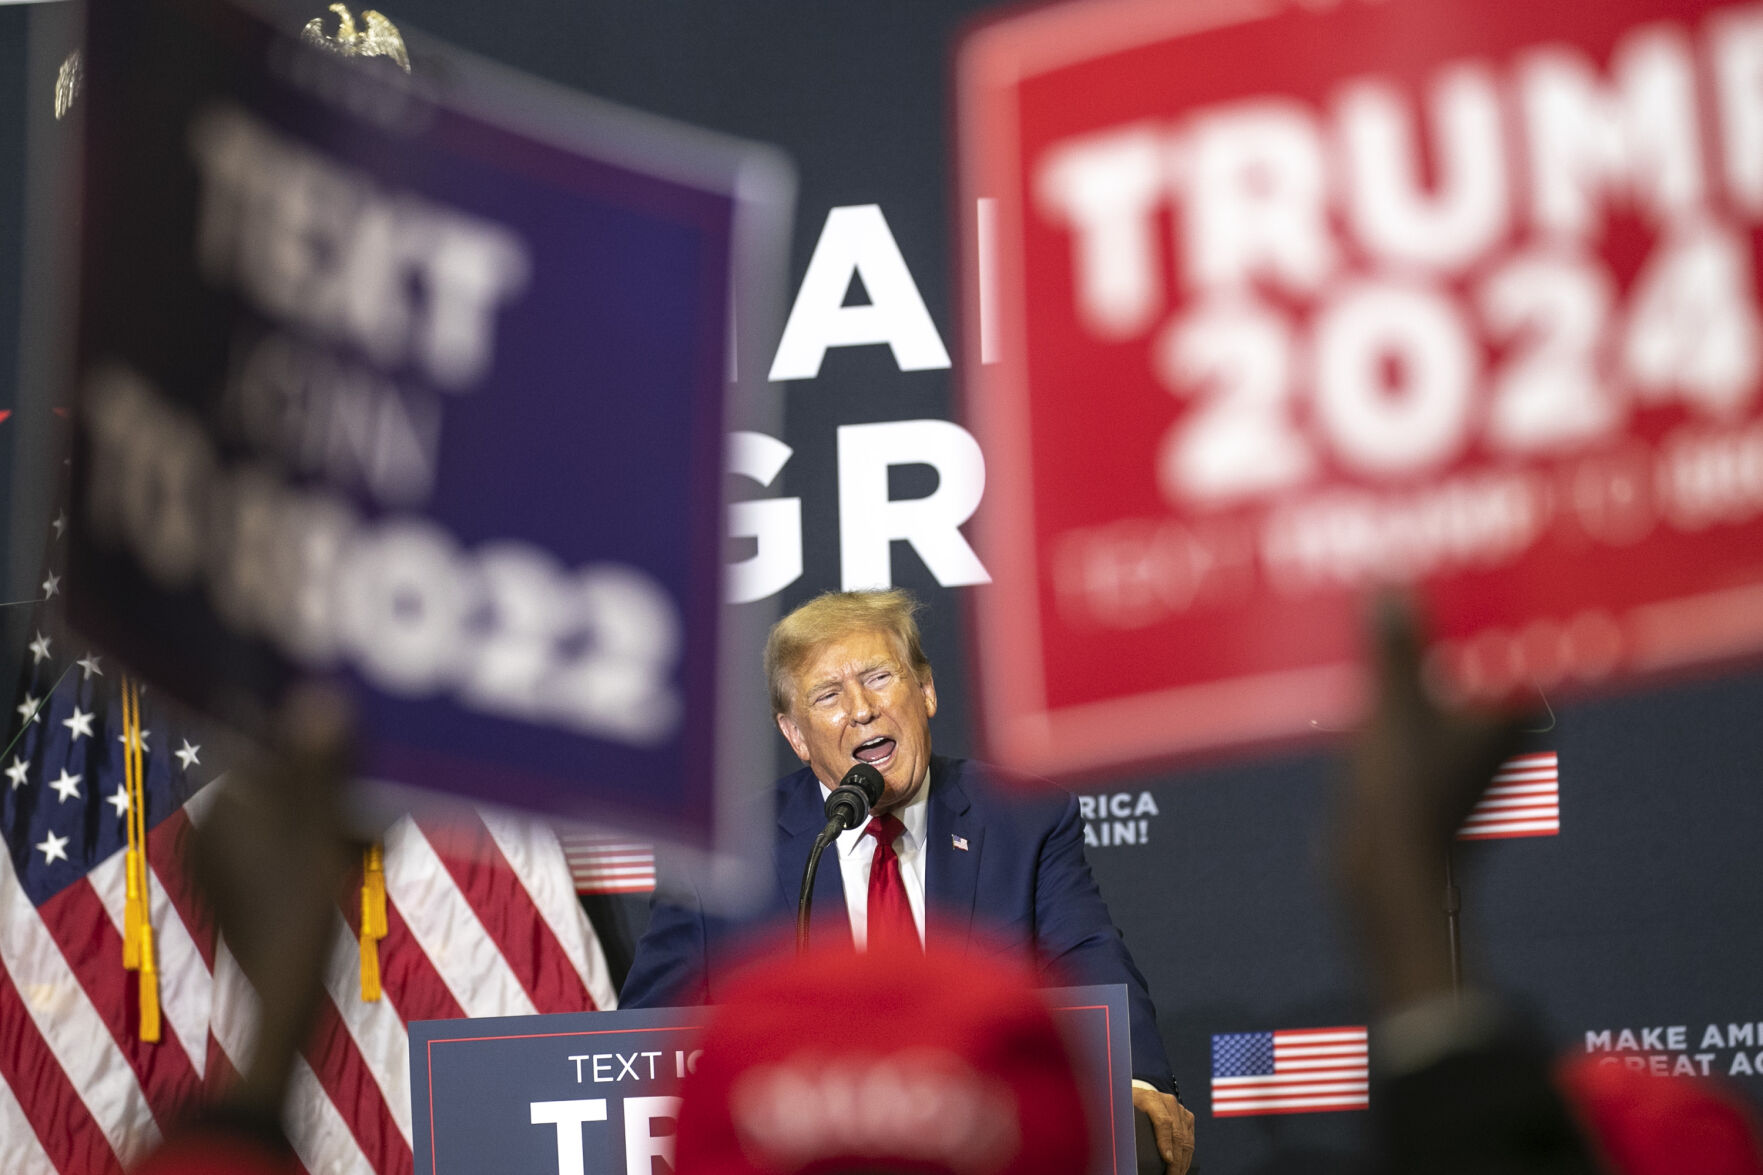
pixel 1524 799
pixel 1315 1070
pixel 606 864
pixel 482 920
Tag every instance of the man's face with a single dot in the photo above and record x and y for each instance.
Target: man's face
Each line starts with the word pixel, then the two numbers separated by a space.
pixel 855 699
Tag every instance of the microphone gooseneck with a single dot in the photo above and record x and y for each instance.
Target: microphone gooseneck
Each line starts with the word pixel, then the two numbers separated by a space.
pixel 845 808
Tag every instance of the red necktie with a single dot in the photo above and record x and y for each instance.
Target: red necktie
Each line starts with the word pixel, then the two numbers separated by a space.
pixel 890 915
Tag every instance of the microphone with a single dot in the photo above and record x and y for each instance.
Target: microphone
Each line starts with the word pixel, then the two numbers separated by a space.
pixel 849 803
pixel 856 794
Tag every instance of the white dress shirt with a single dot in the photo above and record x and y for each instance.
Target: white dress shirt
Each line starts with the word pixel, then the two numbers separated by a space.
pixel 856 849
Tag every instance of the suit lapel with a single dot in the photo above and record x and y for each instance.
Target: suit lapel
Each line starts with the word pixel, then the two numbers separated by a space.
pixel 951 872
pixel 800 818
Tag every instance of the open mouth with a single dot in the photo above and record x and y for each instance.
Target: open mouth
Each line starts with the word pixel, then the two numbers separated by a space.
pixel 876 751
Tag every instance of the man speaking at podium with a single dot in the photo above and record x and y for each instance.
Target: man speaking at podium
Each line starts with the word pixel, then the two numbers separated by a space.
pixel 949 854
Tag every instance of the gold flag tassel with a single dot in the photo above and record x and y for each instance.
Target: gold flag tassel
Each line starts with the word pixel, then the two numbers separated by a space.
pixel 131 910
pixel 137 943
pixel 149 987
pixel 373 917
pixel 131 906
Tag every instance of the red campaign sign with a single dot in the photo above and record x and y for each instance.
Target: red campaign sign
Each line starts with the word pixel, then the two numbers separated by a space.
pixel 1280 302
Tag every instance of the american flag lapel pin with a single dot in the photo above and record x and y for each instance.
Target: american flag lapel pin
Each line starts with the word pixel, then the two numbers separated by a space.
pixel 960 842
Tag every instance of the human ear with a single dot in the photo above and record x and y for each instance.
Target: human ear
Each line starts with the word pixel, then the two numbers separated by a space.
pixel 793 735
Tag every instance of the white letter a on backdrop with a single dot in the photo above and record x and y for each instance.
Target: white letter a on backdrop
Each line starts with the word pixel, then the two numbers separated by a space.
pixel 856 240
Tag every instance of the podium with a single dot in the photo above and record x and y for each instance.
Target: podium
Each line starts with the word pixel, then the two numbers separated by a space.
pixel 597 1093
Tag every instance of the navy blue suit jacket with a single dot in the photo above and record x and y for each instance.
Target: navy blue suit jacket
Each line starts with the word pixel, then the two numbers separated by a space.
pixel 1021 884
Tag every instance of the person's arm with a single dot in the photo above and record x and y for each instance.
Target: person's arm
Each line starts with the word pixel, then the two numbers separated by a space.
pixel 271 860
pixel 1076 939
pixel 1459 1088
pixel 668 969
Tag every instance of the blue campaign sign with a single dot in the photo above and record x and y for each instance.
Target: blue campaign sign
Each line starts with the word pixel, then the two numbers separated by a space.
pixel 596 1093
pixel 418 383
pixel 1094 1019
pixel 583 1092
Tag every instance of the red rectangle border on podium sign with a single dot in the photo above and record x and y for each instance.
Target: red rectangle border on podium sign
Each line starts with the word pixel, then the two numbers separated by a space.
pixel 1281 302
pixel 1115 1142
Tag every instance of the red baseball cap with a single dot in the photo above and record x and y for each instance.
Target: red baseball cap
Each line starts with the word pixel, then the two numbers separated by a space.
pixel 845 1062
pixel 1645 1124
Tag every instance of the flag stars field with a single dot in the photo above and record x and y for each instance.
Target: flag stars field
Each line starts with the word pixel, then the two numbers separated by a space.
pixel 53 848
pixel 68 786
pixel 186 754
pixel 79 722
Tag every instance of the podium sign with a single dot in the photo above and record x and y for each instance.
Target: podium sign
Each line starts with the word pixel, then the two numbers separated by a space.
pixel 596 1093
pixel 1287 301
pixel 416 383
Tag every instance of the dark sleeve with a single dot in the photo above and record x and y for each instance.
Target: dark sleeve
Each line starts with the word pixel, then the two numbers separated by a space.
pixel 1077 942
pixel 668 969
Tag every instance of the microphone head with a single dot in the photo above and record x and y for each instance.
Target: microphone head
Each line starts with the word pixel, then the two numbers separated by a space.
pixel 866 779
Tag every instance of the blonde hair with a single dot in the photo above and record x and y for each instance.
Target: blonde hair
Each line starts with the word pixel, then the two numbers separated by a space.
pixel 831 615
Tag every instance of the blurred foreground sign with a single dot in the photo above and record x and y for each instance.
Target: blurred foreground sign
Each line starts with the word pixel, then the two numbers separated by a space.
pixel 423 395
pixel 1286 301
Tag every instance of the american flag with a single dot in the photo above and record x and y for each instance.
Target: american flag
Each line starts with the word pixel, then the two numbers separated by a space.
pixel 1523 800
pixel 609 864
pixel 482 920
pixel 1290 1071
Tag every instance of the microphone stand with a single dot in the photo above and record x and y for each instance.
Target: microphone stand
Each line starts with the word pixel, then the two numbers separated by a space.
pixel 1453 908
pixel 827 835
